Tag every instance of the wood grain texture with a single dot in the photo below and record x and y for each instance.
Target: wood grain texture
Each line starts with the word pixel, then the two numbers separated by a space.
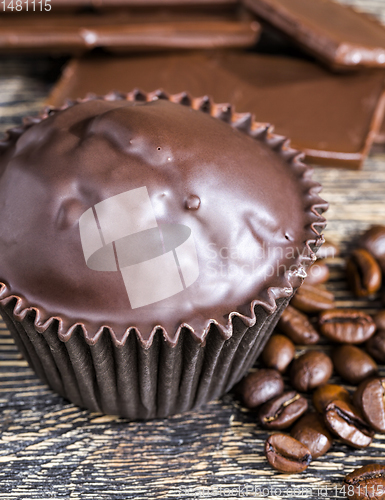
pixel 50 449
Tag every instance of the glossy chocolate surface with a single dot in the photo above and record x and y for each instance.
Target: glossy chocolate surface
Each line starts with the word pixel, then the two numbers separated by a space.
pixel 119 30
pixel 337 34
pixel 380 137
pixel 254 214
pixel 333 118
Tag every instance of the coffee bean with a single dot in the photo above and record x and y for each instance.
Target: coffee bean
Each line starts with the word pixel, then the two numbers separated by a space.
pixel 353 364
pixel 379 320
pixel 365 483
pixel 317 273
pixel 312 299
pixel 278 352
pixel 363 272
pixel 328 393
pixel 260 386
pixel 281 411
pixel 376 346
pixel 297 327
pixel 374 241
pixel 310 430
pixel 347 326
pixel 328 250
pixel 286 454
pixel 346 422
pixel 370 399
pixel 310 370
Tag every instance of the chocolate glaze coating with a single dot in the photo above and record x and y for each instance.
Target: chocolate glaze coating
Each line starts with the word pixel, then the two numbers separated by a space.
pixel 250 198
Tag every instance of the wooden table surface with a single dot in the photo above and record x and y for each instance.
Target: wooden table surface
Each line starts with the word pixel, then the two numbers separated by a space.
pixel 50 449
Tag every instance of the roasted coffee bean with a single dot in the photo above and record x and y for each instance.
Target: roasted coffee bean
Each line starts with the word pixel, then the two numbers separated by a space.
pixel 365 483
pixel 317 273
pixel 370 399
pixel 379 320
pixel 286 454
pixel 278 352
pixel 376 346
pixel 346 422
pixel 260 386
pixel 310 370
pixel 312 299
pixel 281 411
pixel 328 393
pixel 363 272
pixel 353 364
pixel 297 327
pixel 310 430
pixel 328 250
pixel 374 241
pixel 347 326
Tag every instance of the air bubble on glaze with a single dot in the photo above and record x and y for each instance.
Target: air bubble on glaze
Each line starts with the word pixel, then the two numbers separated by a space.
pixel 193 202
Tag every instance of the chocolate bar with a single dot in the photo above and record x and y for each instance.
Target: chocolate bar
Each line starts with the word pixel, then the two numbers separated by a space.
pixel 380 137
pixel 332 118
pixel 126 30
pixel 137 3
pixel 336 34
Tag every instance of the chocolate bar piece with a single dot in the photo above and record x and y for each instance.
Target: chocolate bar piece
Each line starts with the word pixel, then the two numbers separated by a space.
pixel 334 33
pixel 68 4
pixel 126 30
pixel 333 118
pixel 380 137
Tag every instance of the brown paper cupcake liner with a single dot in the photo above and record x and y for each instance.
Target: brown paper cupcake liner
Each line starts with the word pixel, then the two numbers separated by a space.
pixel 135 382
pixel 163 374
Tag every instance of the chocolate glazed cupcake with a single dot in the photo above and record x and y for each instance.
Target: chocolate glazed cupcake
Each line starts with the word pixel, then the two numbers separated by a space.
pixel 148 244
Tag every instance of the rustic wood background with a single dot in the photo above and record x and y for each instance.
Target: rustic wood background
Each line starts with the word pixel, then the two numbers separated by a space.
pixel 50 449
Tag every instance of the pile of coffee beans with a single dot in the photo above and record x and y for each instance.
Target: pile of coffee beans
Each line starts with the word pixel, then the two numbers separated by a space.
pixel 350 342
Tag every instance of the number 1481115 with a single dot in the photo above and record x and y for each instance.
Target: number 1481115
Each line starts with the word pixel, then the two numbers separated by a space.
pixel 25 5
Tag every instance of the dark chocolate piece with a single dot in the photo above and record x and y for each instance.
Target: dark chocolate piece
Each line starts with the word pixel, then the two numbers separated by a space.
pixel 333 118
pixel 125 166
pixel 335 33
pixel 124 30
pixel 97 4
pixel 379 139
